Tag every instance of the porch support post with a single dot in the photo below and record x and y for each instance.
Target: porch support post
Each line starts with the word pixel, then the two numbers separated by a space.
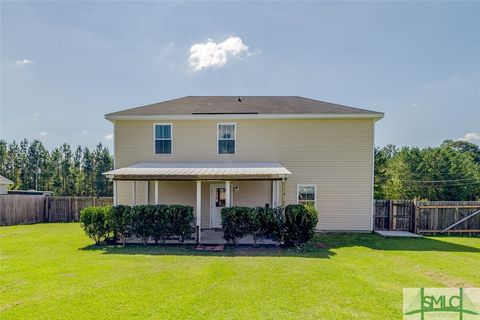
pixel 199 210
pixel 156 191
pixel 146 191
pixel 134 192
pixel 275 193
pixel 227 194
pixel 115 197
pixel 283 192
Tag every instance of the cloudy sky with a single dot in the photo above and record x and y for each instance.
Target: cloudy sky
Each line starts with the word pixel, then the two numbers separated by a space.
pixel 64 65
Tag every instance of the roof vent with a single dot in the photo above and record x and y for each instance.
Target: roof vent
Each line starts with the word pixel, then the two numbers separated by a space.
pixel 239 99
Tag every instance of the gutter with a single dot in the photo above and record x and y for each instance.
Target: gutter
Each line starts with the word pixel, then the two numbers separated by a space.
pixel 376 116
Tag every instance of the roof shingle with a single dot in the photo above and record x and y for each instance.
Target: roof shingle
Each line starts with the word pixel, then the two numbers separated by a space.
pixel 206 105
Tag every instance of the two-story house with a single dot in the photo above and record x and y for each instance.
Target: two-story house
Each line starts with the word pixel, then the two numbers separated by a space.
pixel 215 151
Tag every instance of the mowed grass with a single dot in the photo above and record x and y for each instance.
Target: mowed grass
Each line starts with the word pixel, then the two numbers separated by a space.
pixel 52 271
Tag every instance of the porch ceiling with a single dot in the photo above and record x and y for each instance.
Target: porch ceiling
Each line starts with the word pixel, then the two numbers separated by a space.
pixel 213 170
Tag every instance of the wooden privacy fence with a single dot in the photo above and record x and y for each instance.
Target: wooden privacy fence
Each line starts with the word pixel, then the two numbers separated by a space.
pixel 394 215
pixel 435 216
pixel 68 208
pixel 22 209
pixel 426 217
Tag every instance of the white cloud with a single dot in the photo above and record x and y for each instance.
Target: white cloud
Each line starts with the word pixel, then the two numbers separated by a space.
pixel 108 136
pixel 24 61
pixel 36 114
pixel 215 55
pixel 43 133
pixel 470 136
pixel 413 105
pixel 84 131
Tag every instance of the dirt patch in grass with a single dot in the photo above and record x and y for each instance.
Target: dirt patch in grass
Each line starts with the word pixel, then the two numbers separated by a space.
pixel 448 281
pixel 10 305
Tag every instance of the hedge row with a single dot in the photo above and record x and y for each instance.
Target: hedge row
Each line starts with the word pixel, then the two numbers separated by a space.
pixel 294 225
pixel 157 222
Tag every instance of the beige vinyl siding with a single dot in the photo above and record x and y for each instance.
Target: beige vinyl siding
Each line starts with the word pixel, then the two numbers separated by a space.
pixel 125 192
pixel 335 155
pixel 252 193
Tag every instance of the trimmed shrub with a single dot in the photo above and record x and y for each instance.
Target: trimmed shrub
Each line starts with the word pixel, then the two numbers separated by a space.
pixel 300 222
pixel 120 221
pixel 161 224
pixel 94 221
pixel 158 222
pixel 237 222
pixel 267 222
pixel 180 220
pixel 143 221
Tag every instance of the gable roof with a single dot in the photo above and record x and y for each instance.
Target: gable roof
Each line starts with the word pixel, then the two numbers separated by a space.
pixel 4 180
pixel 246 106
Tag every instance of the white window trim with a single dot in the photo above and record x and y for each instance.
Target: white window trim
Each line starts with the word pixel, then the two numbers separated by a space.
pixel 155 139
pixel 235 139
pixel 314 190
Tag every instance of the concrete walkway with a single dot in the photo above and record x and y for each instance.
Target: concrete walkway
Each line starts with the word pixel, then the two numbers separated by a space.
pixel 401 234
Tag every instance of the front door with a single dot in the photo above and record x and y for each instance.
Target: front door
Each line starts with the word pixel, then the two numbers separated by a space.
pixel 217 202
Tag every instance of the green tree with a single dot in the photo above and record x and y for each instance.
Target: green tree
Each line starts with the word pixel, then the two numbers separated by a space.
pixel 37 158
pixel 88 165
pixel 13 165
pixel 77 174
pixel 103 163
pixel 447 172
pixel 55 171
pixel 68 183
pixel 3 157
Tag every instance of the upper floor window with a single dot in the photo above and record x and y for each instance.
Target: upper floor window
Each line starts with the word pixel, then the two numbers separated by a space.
pixel 306 194
pixel 226 138
pixel 163 138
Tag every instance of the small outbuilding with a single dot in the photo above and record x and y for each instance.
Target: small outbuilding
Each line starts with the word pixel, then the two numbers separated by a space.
pixel 4 183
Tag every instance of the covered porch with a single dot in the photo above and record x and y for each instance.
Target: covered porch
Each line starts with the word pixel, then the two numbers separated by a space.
pixel 206 186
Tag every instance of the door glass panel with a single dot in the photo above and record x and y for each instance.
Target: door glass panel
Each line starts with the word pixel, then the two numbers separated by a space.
pixel 220 197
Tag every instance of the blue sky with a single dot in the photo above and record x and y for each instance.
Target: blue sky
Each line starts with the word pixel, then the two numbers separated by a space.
pixel 65 64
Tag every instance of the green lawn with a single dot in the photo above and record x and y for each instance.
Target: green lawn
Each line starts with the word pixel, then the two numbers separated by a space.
pixel 51 271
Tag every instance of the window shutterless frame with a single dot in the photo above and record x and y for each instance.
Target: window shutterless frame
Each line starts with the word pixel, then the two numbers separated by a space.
pixel 314 192
pixel 234 139
pixel 155 139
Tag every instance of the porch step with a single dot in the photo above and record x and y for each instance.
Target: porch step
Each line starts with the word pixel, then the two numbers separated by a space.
pixel 217 248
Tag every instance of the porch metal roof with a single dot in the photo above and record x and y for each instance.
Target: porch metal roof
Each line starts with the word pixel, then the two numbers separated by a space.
pixel 214 170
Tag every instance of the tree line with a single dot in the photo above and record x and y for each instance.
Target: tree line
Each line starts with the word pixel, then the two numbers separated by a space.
pixel 64 171
pixel 450 171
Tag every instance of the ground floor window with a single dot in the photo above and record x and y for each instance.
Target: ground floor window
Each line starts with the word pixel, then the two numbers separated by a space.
pixel 306 194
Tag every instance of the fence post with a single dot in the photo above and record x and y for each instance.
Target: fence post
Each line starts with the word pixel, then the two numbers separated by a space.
pixel 45 209
pixel 390 215
pixel 415 217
